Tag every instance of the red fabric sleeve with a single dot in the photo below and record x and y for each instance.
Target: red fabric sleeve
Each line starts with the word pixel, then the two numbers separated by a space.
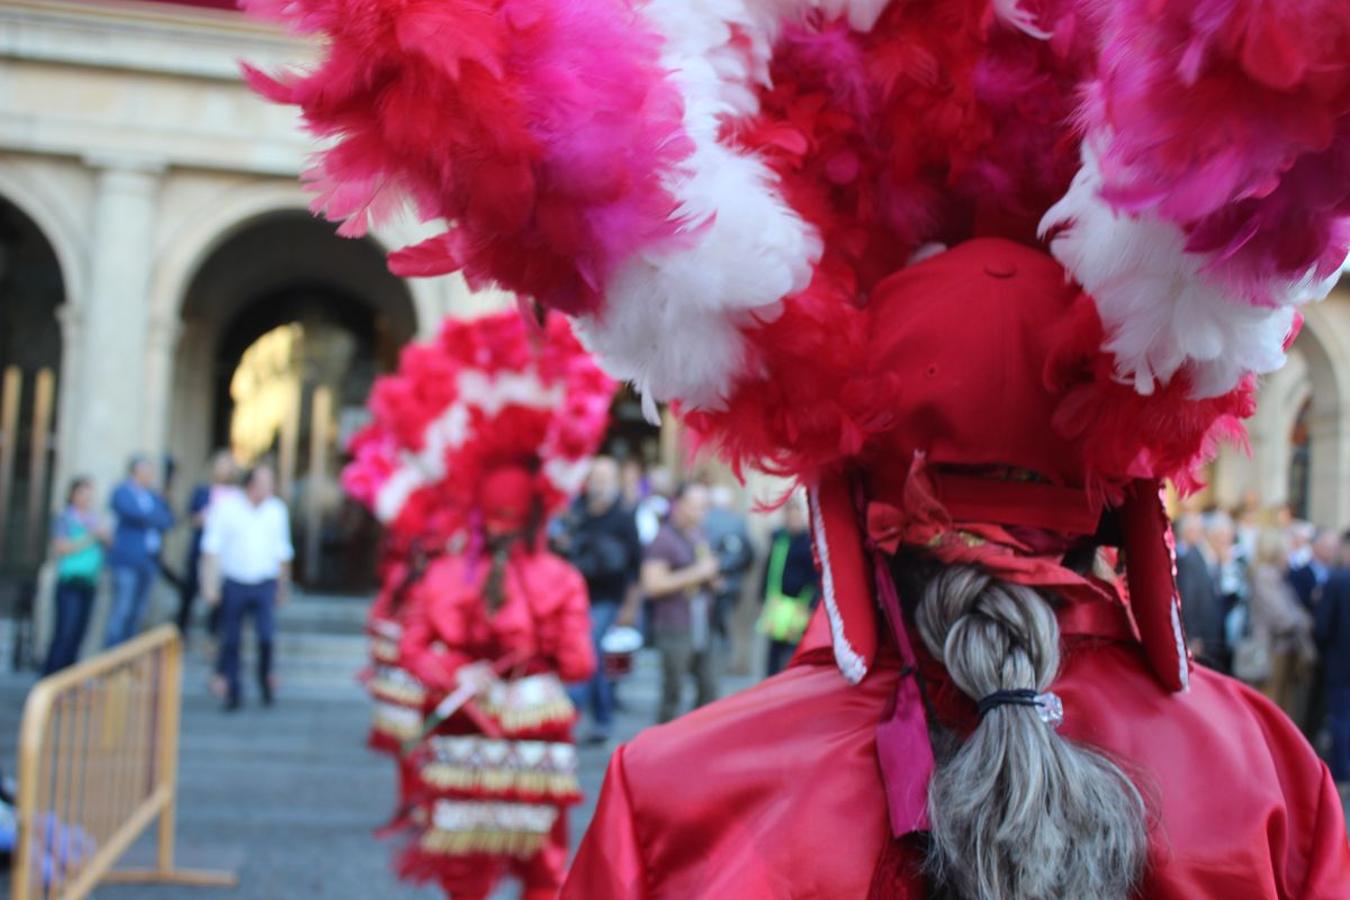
pixel 609 862
pixel 434 667
pixel 1328 860
pixel 576 652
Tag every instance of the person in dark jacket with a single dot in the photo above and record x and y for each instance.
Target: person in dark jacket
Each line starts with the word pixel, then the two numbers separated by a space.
pixel 599 537
pixel 727 532
pixel 142 518
pixel 1331 630
pixel 224 481
pixel 1202 609
pixel 1307 579
pixel 790 588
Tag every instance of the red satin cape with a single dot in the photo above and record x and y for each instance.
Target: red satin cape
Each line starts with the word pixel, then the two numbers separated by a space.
pixel 775 792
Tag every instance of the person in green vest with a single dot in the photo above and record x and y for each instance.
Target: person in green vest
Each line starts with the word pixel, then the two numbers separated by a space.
pixel 78 540
pixel 791 586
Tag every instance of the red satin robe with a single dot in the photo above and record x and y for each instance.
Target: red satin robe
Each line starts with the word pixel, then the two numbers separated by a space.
pixel 775 792
pixel 543 625
pixel 544 619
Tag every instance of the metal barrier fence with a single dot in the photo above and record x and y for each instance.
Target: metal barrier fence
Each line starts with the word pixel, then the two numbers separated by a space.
pixel 98 762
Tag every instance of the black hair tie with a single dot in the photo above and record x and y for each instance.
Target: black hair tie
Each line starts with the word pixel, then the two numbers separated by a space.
pixel 1048 705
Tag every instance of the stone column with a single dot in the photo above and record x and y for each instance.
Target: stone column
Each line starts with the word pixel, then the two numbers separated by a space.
pixel 111 407
pixel 71 317
pixel 1329 501
pixel 161 342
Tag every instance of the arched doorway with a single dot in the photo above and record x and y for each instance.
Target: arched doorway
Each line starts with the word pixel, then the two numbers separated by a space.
pixel 31 292
pixel 285 326
pixel 1319 446
pixel 1300 463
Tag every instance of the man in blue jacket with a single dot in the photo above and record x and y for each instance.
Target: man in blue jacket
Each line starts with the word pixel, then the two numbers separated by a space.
pixel 142 518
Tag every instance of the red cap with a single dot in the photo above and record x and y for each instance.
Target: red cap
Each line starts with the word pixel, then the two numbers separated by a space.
pixel 506 499
pixel 986 346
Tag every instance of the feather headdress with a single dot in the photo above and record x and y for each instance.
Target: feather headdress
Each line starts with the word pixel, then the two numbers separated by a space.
pixel 485 393
pixel 718 191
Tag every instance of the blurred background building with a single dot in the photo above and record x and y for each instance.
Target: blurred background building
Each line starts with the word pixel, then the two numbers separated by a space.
pixel 163 288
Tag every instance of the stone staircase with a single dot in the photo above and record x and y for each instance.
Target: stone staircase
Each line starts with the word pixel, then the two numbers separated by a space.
pixel 320 648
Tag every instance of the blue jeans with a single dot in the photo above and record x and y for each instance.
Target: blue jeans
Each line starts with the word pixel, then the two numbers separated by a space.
pixel 237 600
pixel 598 693
pixel 131 588
pixel 1338 703
pixel 74 602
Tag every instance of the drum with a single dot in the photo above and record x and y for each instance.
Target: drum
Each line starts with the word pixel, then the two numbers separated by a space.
pixel 618 646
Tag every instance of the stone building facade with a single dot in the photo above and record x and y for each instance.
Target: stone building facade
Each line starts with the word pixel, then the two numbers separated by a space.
pixel 153 229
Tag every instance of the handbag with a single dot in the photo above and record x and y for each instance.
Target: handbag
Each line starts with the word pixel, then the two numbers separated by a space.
pixel 784 617
pixel 1251 661
pixel 1251 655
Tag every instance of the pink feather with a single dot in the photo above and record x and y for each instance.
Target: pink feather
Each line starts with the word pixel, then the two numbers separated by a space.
pixel 543 129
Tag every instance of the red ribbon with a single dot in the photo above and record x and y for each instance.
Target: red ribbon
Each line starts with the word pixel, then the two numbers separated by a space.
pixel 924 522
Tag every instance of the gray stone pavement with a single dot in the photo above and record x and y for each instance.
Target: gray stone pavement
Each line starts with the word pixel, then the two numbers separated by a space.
pixel 288 797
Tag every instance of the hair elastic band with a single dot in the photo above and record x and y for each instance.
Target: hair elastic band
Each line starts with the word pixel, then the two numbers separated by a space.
pixel 1048 706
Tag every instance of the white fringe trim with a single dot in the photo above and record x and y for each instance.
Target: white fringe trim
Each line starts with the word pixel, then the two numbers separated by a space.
pixel 849 661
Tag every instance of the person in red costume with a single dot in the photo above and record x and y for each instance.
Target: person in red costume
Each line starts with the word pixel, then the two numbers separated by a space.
pixel 400 700
pixel 1015 729
pixel 497 631
pixel 480 435
pixel 981 275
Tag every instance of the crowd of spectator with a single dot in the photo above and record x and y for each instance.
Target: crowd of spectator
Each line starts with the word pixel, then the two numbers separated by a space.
pixel 1266 599
pixel 238 561
pixel 677 560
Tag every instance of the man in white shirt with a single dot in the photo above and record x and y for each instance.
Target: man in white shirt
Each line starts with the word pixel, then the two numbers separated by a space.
pixel 246 568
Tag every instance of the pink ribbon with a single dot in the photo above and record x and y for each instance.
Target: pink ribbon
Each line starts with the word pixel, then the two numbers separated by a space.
pixel 903 748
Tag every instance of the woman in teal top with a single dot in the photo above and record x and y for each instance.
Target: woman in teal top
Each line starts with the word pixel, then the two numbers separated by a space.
pixel 77 547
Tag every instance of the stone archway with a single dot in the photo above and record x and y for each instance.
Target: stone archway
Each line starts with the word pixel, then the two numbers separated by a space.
pixel 32 295
pixel 1311 393
pixel 1324 347
pixel 330 317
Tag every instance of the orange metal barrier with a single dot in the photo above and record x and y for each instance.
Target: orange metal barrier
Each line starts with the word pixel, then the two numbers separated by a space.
pixel 98 762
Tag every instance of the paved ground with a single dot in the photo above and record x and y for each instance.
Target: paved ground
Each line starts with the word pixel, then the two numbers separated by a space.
pixel 288 797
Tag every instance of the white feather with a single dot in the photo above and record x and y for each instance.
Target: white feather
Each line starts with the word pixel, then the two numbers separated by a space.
pixel 1012 13
pixel 1160 310
pixel 567 475
pixel 395 492
pixel 450 430
pixel 673 321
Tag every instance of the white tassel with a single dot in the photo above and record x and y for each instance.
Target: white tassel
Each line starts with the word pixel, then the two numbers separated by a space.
pixel 1159 309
